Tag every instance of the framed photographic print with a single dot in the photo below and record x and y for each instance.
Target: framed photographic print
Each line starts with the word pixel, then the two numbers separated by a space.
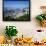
pixel 16 10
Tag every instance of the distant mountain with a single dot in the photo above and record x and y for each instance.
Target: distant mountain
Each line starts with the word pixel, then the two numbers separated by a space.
pixel 16 11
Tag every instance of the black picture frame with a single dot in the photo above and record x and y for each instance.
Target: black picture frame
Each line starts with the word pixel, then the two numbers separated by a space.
pixel 29 19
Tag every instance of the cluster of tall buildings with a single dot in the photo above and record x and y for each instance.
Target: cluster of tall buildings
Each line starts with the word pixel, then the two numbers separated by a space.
pixel 14 13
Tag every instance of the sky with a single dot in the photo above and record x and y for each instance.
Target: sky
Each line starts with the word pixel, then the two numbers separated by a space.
pixel 16 4
pixel 16 0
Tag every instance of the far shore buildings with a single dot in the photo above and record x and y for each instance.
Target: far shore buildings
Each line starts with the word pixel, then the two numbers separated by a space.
pixel 16 13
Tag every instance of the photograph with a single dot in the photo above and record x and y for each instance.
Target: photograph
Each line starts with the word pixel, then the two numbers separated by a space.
pixel 16 10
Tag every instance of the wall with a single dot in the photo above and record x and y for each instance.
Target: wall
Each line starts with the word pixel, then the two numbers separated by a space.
pixel 25 28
